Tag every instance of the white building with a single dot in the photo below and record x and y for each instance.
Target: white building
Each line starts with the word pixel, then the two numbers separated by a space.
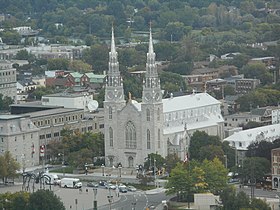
pixel 68 100
pixel 133 130
pixel 8 80
pixel 242 139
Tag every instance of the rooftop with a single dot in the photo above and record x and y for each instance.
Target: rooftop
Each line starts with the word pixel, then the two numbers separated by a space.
pixel 9 117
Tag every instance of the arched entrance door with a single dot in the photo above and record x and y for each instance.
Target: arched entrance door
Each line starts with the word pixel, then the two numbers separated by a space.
pixel 130 162
pixel 111 161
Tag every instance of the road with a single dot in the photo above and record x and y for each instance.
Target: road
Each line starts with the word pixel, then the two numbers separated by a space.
pixel 139 200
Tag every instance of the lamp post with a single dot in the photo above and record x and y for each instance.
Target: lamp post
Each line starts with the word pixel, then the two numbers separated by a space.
pixel 94 200
pixel 63 161
pixel 120 170
pixel 155 174
pixel 102 166
pixel 225 156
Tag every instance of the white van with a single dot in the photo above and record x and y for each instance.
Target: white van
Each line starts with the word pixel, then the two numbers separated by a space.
pixel 54 179
pixel 70 182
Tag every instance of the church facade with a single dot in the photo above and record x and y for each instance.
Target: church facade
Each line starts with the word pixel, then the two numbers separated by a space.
pixel 156 125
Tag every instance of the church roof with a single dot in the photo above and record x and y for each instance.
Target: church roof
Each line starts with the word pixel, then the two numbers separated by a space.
pixel 188 102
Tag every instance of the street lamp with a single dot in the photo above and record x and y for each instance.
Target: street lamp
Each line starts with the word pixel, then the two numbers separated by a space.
pixel 120 169
pixel 225 156
pixel 155 174
pixel 102 166
pixel 95 200
pixel 63 161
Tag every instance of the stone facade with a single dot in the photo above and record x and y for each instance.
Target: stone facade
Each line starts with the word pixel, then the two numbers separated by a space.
pixel 8 81
pixel 19 136
pixel 133 130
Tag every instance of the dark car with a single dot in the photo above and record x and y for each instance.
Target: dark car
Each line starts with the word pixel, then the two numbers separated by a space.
pixel 92 184
pixel 103 183
pixel 123 189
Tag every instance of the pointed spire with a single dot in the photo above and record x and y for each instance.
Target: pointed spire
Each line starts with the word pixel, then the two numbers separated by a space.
pixel 113 47
pixel 151 48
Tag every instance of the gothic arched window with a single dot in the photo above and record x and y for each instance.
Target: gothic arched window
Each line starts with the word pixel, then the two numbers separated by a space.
pixel 148 139
pixel 158 138
pixel 130 135
pixel 111 137
pixel 110 113
pixel 158 114
pixel 148 115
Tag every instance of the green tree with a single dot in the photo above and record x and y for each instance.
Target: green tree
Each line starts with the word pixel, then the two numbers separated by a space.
pixel 200 139
pixel 20 201
pixel 172 82
pixel 97 56
pixel 79 66
pixel 210 152
pixel 233 201
pixel 258 71
pixel 254 168
pixel 45 199
pixel 5 102
pixel 185 180
pixel 9 167
pixel 170 161
pixel 22 55
pixel 58 64
pixel 215 175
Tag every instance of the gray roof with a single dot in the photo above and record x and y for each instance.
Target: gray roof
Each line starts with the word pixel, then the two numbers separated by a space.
pixel 188 102
pixel 52 112
pixel 9 117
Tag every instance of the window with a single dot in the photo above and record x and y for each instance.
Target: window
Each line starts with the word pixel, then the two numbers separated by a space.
pixel 49 135
pixel 111 136
pixel 148 115
pixel 148 139
pixel 90 128
pixel 158 138
pixel 42 137
pixel 130 135
pixel 110 113
pixel 158 114
pixel 56 134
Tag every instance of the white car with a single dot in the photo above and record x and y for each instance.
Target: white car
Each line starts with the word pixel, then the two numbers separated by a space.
pixel 110 186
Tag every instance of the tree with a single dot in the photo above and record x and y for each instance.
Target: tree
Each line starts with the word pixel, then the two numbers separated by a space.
pixel 154 161
pixel 22 55
pixel 9 167
pixel 5 102
pixel 233 201
pixel 200 139
pixel 254 169
pixel 45 199
pixel 79 66
pixel 258 71
pixel 215 175
pixel 58 64
pixel 211 152
pixel 185 180
pixel 172 82
pixel 170 161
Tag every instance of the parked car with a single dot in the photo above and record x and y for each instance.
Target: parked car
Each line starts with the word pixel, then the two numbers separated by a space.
pixel 103 183
pixel 92 184
pixel 131 188
pixel 123 189
pixel 110 186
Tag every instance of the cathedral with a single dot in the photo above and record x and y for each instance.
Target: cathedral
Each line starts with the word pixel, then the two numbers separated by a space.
pixel 156 125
